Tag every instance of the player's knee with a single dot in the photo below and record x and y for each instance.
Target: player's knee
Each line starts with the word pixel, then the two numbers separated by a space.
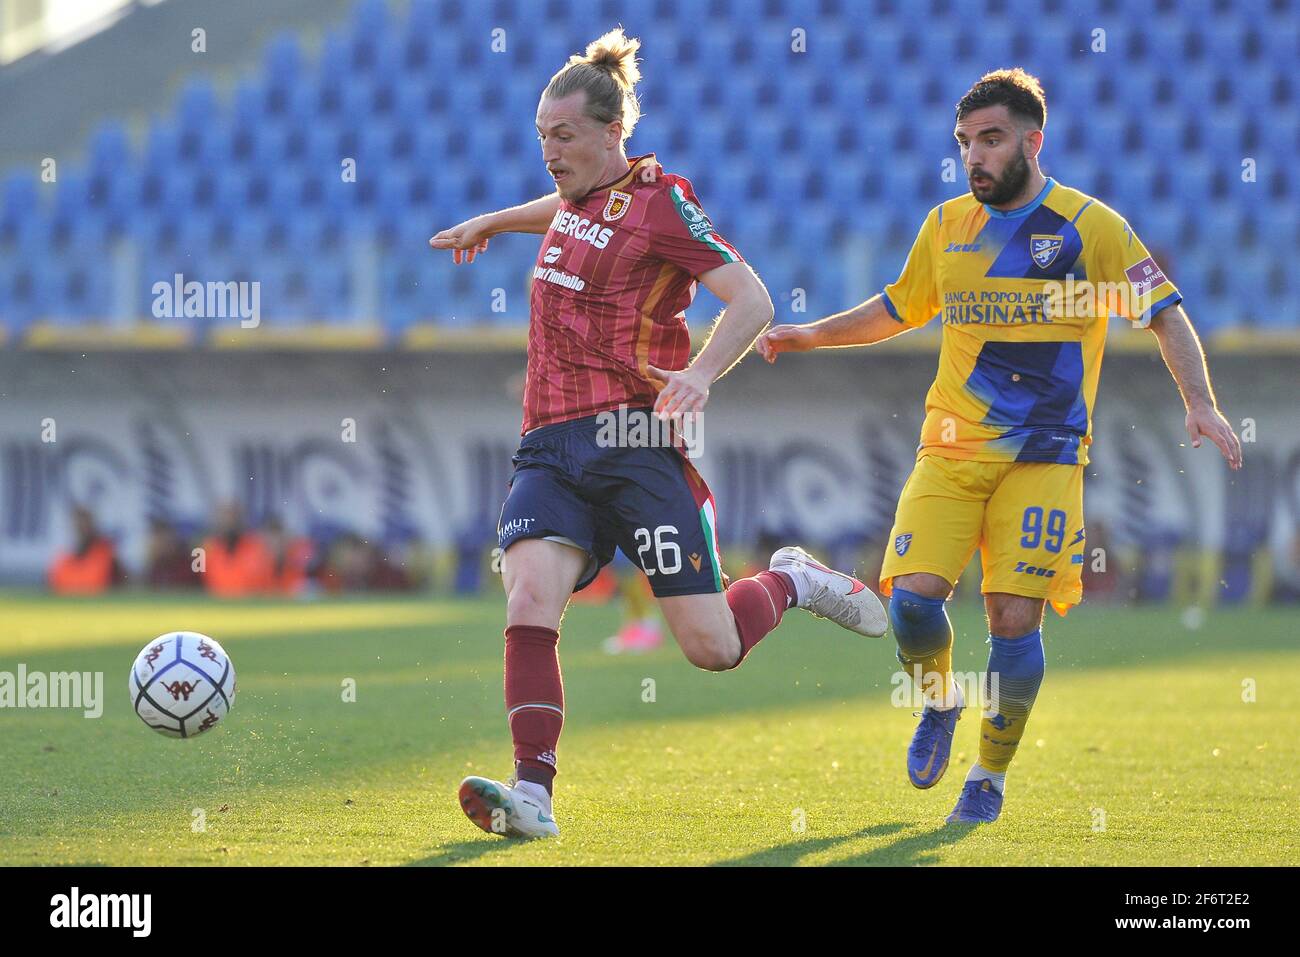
pixel 527 603
pixel 706 652
pixel 1015 617
pixel 924 583
pixel 921 625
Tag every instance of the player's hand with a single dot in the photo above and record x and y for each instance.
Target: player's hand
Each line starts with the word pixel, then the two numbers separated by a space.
pixel 465 241
pixel 1208 422
pixel 780 339
pixel 683 394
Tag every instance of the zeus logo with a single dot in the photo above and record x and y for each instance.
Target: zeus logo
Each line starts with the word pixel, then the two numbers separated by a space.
pixel 1027 569
pixel 963 248
pixel 571 224
pixel 552 254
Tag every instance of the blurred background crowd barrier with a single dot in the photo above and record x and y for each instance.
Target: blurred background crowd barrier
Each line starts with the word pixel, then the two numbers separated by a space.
pixel 389 469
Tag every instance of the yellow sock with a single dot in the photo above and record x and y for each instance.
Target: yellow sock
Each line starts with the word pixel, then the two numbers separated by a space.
pixel 936 675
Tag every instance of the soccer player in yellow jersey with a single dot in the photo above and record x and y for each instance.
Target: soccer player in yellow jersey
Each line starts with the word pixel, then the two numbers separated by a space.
pixel 1023 273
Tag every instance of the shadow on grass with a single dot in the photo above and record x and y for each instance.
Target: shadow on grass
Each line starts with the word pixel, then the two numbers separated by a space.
pixel 917 849
pixel 462 852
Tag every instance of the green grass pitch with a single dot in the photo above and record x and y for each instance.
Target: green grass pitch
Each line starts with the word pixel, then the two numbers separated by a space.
pixel 1141 750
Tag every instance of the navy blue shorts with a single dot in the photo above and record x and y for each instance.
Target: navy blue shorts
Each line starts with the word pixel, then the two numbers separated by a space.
pixel 649 502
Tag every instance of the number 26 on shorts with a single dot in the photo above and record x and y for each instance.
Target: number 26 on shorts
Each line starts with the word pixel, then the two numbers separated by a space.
pixel 667 559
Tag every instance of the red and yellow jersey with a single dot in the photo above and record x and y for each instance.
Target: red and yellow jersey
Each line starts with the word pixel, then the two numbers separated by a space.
pixel 614 275
pixel 1024 297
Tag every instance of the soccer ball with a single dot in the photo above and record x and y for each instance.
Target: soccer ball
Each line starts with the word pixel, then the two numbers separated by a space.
pixel 182 683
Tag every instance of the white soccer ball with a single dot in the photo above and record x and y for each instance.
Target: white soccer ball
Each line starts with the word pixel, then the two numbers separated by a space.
pixel 182 684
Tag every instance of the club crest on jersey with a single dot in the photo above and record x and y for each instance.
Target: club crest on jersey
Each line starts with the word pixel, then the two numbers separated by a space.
pixel 1044 248
pixel 902 543
pixel 617 205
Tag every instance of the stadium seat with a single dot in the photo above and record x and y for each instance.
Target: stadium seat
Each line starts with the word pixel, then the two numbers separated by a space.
pixel 1220 222
pixel 1281 40
pixel 20 202
pixel 198 104
pixel 1279 226
pixel 283 61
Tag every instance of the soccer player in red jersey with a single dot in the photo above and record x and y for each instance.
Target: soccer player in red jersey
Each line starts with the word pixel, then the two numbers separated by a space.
pixel 608 361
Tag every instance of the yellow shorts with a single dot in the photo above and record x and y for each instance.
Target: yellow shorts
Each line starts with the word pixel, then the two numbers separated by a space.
pixel 1026 518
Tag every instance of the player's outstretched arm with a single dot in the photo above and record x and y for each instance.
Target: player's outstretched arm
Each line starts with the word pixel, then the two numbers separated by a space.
pixel 470 238
pixel 860 326
pixel 747 313
pixel 1185 358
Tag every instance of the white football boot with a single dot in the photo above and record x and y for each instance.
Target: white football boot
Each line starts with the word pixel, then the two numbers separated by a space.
pixel 515 809
pixel 829 594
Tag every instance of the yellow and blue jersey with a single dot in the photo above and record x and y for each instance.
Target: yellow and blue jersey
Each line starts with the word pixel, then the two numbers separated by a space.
pixel 1024 297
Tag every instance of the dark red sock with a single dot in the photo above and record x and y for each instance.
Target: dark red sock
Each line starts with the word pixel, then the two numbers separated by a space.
pixel 757 604
pixel 534 700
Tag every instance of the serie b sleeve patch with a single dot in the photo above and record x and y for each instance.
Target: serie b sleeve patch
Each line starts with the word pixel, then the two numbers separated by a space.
pixel 1145 276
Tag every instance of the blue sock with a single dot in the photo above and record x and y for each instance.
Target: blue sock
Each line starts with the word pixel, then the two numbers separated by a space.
pixel 1015 673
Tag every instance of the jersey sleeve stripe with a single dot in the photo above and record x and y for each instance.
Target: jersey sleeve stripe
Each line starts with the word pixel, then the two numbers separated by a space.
pixel 889 307
pixel 1171 299
pixel 722 247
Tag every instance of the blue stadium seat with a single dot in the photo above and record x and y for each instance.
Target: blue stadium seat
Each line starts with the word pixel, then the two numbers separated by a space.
pixel 1189 270
pixel 26 293
pixel 198 103
pixel 1225 42
pixel 1220 222
pixel 162 148
pixel 1280 142
pixel 1249 287
pixel 762 136
pixel 1194 90
pixel 1134 186
pixel 883 41
pixel 1159 223
pixel 1282 39
pixel 1252 85
pixel 1162 135
pixel 370 17
pixel 1279 227
pixel 283 60
pixel 1194 179
pixel 711 45
pixel 1052 41
pixel 992 44
pixel 20 202
pixel 110 148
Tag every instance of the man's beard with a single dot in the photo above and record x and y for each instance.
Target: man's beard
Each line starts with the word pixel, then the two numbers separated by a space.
pixel 1009 185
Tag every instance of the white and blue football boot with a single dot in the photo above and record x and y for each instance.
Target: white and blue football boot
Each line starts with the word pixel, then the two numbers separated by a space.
pixel 515 809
